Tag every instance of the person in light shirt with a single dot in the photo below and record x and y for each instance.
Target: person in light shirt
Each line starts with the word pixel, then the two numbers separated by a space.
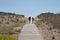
pixel 32 19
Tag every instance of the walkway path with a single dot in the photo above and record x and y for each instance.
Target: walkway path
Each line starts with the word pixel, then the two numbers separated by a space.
pixel 30 32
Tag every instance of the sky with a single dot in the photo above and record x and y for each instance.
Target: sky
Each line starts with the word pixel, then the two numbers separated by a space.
pixel 30 7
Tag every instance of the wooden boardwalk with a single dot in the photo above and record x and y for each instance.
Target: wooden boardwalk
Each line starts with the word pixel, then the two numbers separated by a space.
pixel 30 32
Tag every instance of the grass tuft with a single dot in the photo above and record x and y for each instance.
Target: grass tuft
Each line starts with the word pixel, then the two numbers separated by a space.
pixel 9 37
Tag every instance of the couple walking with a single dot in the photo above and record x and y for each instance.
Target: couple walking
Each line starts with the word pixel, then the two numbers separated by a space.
pixel 31 19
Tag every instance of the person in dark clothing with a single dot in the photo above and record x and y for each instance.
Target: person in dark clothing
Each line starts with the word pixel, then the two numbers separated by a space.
pixel 29 19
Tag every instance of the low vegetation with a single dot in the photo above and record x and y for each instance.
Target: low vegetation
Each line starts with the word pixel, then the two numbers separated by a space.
pixel 52 18
pixel 11 25
pixel 49 24
pixel 9 37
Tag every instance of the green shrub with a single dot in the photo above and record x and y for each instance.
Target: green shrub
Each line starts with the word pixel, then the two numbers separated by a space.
pixel 9 37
